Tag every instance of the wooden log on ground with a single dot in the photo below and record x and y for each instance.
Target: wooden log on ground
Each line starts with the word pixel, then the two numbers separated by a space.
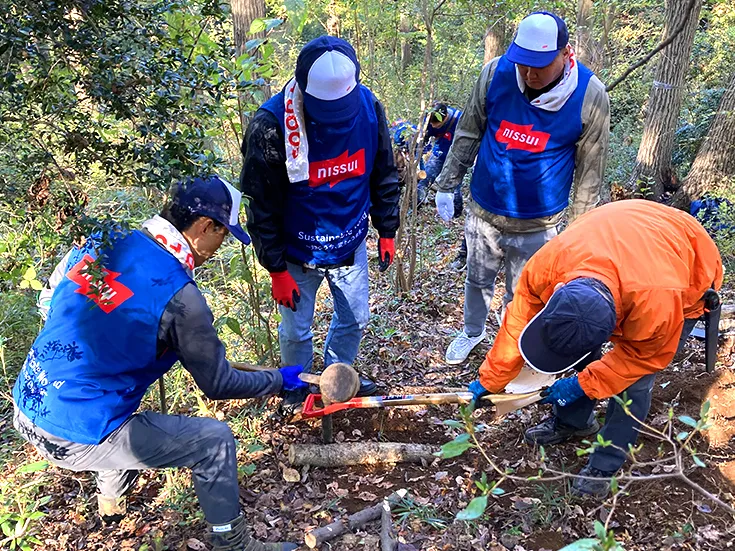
pixel 359 453
pixel 387 543
pixel 356 520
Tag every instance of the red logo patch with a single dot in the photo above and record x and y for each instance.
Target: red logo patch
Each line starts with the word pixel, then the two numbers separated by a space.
pixel 521 137
pixel 112 293
pixel 337 169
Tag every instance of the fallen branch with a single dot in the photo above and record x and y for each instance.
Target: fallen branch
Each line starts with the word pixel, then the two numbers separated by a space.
pixel 359 453
pixel 356 520
pixel 387 543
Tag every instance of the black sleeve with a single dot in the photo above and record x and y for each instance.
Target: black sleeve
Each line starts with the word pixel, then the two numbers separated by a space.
pixel 385 192
pixel 186 329
pixel 264 181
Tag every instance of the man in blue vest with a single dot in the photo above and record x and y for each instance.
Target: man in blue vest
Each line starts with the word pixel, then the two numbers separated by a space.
pixel 443 122
pixel 318 163
pixel 124 312
pixel 538 123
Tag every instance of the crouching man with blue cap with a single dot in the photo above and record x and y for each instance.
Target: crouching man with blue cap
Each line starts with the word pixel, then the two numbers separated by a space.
pixel 635 273
pixel 112 330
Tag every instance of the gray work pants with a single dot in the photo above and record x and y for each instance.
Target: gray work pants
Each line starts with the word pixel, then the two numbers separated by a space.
pixel 619 427
pixel 487 247
pixel 150 440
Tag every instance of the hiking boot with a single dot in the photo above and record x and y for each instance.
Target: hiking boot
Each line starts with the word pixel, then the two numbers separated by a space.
pixel 111 509
pixel 551 431
pixel 367 387
pixel 234 536
pixel 460 261
pixel 461 347
pixel 292 402
pixel 598 485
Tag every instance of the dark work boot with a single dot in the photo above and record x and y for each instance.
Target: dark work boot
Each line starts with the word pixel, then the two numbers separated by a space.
pixel 367 387
pixel 111 509
pixel 598 485
pixel 234 536
pixel 551 431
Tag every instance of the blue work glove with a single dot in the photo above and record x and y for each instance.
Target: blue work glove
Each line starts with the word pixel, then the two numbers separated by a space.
pixel 291 380
pixel 478 391
pixel 563 392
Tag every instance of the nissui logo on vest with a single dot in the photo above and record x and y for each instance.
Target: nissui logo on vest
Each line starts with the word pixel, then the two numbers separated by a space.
pixel 337 169
pixel 523 137
pixel 108 295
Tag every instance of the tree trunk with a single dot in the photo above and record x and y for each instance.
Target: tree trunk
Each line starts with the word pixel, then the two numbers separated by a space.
pixel 585 45
pixel 334 26
pixel 653 173
pixel 714 164
pixel 405 27
pixel 244 12
pixel 494 39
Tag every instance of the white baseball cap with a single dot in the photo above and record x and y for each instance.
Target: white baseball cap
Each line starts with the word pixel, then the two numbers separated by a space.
pixel 328 74
pixel 538 40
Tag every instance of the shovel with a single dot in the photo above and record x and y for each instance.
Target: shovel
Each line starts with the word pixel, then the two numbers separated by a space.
pixel 503 403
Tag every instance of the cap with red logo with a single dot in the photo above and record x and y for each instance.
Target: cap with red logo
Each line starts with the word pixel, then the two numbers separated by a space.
pixel 538 40
pixel 213 197
pixel 328 74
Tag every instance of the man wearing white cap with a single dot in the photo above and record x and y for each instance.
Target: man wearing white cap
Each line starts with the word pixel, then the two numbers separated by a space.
pixel 318 163
pixel 537 122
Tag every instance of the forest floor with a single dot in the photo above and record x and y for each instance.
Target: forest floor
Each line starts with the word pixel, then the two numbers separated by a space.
pixel 404 347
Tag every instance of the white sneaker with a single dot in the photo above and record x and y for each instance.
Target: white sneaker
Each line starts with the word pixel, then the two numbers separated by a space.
pixel 461 347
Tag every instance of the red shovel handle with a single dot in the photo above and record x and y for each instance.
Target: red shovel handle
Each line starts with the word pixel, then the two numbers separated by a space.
pixel 310 412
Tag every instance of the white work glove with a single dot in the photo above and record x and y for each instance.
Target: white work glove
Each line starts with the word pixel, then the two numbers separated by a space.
pixel 445 205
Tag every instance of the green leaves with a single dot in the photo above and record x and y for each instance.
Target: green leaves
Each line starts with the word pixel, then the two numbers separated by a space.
pixel 474 510
pixel 29 280
pixel 688 421
pixel 33 467
pixel 456 447
pixel 586 544
pixel 264 25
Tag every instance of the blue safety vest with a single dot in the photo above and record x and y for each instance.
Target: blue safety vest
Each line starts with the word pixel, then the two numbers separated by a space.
pixel 326 216
pixel 526 161
pixel 90 366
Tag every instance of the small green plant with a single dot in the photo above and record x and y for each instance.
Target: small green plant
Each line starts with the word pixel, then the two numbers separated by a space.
pixel 29 280
pixel 20 510
pixel 407 508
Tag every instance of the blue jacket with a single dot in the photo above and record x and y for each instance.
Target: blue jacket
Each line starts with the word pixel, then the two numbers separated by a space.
pixel 525 165
pixel 444 134
pixel 90 366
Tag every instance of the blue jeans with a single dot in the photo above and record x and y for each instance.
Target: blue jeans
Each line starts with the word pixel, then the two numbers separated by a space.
pixel 619 427
pixel 349 288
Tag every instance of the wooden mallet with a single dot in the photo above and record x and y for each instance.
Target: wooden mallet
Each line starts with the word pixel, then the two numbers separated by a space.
pixel 339 382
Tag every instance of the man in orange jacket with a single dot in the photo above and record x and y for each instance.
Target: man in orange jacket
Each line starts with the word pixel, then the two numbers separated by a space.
pixel 631 272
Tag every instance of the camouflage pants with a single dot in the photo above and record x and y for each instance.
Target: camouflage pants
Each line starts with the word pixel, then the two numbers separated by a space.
pixel 487 248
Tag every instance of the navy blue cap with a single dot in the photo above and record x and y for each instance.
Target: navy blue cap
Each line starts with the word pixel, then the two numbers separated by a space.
pixel 577 320
pixel 328 74
pixel 213 197
pixel 539 39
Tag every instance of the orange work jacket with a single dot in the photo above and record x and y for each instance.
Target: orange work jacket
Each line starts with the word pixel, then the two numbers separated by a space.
pixel 657 262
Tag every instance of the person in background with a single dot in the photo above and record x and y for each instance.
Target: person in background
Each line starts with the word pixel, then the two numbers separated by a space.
pixel 106 340
pixel 537 123
pixel 318 163
pixel 634 272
